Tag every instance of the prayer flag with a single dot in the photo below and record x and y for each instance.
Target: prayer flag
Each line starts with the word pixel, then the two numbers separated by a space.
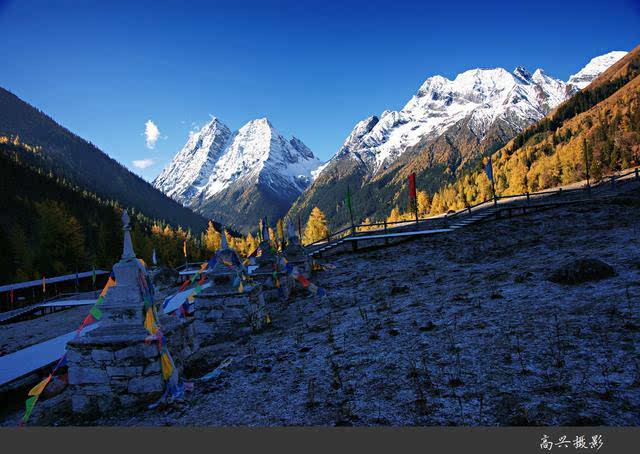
pixel 184 248
pixel 149 322
pixel 167 367
pixel 412 187
pixel 61 362
pixel 97 313
pixel 37 390
pixel 31 401
pixel 489 169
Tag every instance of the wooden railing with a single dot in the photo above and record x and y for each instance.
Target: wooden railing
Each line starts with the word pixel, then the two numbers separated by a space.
pixel 352 231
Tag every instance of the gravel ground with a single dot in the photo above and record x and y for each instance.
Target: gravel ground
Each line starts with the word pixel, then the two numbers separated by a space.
pixel 459 329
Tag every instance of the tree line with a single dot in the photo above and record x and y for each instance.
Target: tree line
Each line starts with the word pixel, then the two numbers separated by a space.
pixel 49 226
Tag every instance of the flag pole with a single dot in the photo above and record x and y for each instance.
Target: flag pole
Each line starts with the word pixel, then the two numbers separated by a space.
pixel 353 227
pixel 493 183
pixel 413 197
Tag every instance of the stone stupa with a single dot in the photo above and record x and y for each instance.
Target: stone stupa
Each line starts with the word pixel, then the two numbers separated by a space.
pixel 114 365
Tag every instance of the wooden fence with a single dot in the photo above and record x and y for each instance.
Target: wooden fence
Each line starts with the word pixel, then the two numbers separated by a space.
pixel 444 219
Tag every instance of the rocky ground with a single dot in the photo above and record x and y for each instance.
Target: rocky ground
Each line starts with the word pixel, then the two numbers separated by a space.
pixel 459 329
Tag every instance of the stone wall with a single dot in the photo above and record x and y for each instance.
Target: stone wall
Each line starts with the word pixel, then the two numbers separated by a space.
pixel 181 337
pixel 107 374
pixel 221 317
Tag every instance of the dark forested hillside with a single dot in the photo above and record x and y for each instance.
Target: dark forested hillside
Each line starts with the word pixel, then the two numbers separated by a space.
pixel 49 226
pixel 80 162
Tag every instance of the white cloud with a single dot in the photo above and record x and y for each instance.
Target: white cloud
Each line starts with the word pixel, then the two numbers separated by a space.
pixel 152 133
pixel 143 163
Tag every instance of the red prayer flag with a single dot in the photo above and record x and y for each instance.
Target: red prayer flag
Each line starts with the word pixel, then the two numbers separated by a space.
pixel 304 281
pixel 412 186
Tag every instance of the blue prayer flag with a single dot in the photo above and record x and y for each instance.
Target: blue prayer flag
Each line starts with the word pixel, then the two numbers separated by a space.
pixel 489 170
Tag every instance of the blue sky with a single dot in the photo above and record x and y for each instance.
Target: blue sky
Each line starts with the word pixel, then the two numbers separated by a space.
pixel 105 69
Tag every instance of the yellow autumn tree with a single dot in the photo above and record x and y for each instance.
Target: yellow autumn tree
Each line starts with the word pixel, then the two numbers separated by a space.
pixel 316 228
pixel 423 204
pixel 394 216
pixel 437 204
pixel 211 238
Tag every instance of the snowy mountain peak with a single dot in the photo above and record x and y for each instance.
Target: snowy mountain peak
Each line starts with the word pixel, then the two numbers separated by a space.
pixel 214 158
pixel 191 166
pixel 594 68
pixel 522 73
pixel 477 98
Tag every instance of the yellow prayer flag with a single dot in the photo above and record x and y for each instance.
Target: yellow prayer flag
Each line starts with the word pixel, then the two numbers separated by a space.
pixel 149 322
pixel 37 390
pixel 167 367
pixel 110 282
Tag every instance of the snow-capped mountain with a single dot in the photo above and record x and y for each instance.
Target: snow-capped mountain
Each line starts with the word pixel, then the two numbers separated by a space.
pixel 446 124
pixel 190 169
pixel 480 97
pixel 594 68
pixel 226 175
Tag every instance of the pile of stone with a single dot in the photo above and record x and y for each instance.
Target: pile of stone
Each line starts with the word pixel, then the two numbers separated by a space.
pixel 115 365
pixel 233 305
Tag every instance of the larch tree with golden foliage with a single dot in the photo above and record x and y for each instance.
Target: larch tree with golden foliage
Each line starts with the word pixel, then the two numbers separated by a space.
pixel 316 228
pixel 423 204
pixel 394 216
pixel 211 238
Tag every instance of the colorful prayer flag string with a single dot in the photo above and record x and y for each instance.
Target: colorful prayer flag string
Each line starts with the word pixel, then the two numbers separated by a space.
pixel 93 315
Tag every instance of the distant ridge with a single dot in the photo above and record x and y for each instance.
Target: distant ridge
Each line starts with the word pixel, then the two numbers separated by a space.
pixel 85 165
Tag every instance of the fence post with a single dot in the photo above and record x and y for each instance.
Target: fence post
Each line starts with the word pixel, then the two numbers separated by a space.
pixel 528 201
pixel 637 176
pixel 386 240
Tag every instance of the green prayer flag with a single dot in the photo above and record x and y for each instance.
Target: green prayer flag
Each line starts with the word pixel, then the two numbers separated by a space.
pixel 99 301
pixel 97 313
pixel 31 401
